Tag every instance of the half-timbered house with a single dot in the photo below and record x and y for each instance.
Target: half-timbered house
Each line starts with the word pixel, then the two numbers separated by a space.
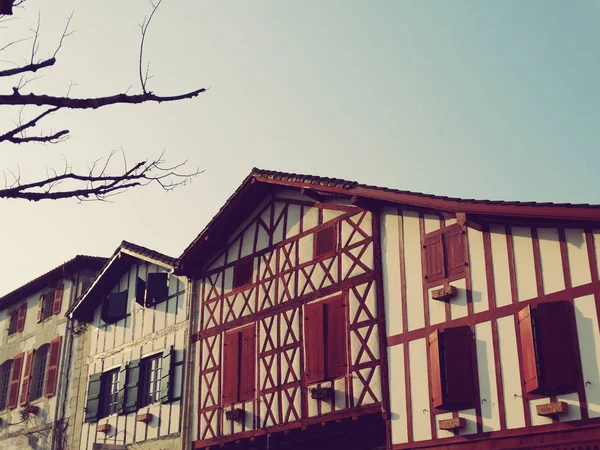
pixel 37 361
pixel 133 335
pixel 331 314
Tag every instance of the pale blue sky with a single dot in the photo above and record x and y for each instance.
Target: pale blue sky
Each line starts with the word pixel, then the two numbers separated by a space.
pixel 473 99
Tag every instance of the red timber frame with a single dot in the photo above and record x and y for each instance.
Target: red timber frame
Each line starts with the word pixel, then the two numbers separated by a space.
pixel 274 301
pixel 585 430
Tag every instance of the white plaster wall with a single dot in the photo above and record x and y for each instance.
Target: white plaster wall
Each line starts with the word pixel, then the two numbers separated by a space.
pixel 391 227
pixel 551 261
pixel 500 264
pixel 588 334
pixel 524 265
pixel 490 413
pixel 579 265
pixel 419 390
pixel 511 378
pixel 397 381
pixel 414 276
pixel 479 293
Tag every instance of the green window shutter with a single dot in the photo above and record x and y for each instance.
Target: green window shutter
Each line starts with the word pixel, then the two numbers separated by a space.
pixel 132 387
pixel 122 389
pixel 166 386
pixel 93 398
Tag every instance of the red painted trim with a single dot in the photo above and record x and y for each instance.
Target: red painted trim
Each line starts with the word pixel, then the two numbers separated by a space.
pixel 537 261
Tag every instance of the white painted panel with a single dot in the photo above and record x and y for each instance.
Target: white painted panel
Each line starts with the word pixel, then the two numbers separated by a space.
pixel 339 394
pixel 511 378
pixel 589 347
pixel 440 434
pixel 306 250
pixel 248 240
pixel 330 214
pixel 500 264
pixel 470 421
pixel 153 425
pixel 551 261
pixel 437 308
pixel 431 223
pixel 293 220
pixel 479 293
pixel 574 412
pixel 310 219
pixel 392 278
pixel 449 222
pixel 535 419
pixel 458 304
pixel 233 251
pixel 419 390
pixel 397 383
pixel 579 263
pixel 524 265
pixel 490 414
pixel 414 277
pixel 279 229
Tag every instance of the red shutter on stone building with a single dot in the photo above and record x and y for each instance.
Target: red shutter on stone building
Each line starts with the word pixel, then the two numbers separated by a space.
pixel 231 360
pixel 315 342
pixel 26 378
pixel 21 317
pixel 52 371
pixel 530 371
pixel 247 363
pixel 335 338
pixel 15 379
pixel 434 258
pixel 58 295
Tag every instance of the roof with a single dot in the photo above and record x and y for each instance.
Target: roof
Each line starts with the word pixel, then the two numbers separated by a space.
pixel 260 182
pixel 79 262
pixel 120 261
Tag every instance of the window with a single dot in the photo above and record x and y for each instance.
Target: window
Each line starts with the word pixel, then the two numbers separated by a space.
pixel 114 307
pixel 109 393
pixel 150 382
pixel 239 359
pixel 548 340
pixel 44 307
pixel 12 326
pixel 154 290
pixel 242 273
pixel 444 254
pixel 4 383
pixel 134 385
pixel 325 335
pixel 325 241
pixel 451 368
pixel 40 367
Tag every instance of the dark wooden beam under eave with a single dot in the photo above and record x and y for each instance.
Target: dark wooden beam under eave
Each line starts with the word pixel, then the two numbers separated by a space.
pixel 317 197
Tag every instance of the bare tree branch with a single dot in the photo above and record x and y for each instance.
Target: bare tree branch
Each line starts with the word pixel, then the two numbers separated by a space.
pixel 97 184
pixel 9 136
pixel 144 27
pixel 28 68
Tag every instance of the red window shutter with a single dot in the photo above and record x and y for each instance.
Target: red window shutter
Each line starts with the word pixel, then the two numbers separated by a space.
pixel 58 295
pixel 231 361
pixel 13 392
pixel 314 342
pixel 52 372
pixel 26 378
pixel 21 317
pixel 434 258
pixel 40 311
pixel 335 338
pixel 458 367
pixel 242 273
pixel 556 343
pixel 248 364
pixel 454 251
pixel 435 366
pixel 530 371
pixel 325 241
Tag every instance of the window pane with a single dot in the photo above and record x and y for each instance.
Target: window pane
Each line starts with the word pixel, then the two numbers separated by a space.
pixel 151 380
pixel 4 383
pixel 41 365
pixel 110 388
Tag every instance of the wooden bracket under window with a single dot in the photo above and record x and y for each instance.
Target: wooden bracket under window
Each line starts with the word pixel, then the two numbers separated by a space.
pixel 104 428
pixel 552 409
pixel 146 417
pixel 453 424
pixel 321 393
pixel 444 294
pixel 235 414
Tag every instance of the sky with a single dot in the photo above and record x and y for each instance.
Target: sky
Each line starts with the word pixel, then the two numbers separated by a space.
pixel 487 100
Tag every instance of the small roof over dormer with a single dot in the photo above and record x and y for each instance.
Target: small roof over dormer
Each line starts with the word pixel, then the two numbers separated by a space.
pixel 50 278
pixel 123 257
pixel 260 183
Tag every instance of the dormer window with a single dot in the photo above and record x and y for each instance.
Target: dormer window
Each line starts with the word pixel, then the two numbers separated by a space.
pixel 242 273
